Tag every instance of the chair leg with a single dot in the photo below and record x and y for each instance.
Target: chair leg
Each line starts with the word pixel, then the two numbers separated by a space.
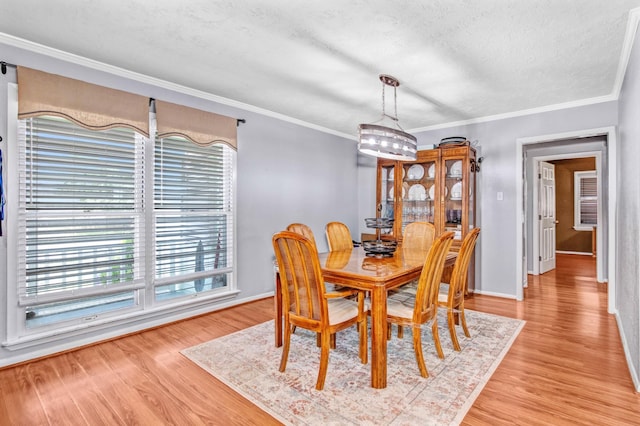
pixel 464 323
pixel 324 360
pixel 400 332
pixel 285 345
pixel 451 322
pixel 417 348
pixel 436 338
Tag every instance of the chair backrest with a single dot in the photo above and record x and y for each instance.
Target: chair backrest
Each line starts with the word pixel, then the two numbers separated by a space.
pixel 426 305
pixel 302 284
pixel 302 229
pixel 460 272
pixel 338 236
pixel 418 235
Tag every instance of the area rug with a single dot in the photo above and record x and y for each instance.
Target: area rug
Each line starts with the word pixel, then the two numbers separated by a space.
pixel 248 362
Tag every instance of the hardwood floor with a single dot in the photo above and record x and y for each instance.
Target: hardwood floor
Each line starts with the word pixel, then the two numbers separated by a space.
pixel 566 367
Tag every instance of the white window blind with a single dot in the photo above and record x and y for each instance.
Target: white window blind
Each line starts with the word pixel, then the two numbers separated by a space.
pixel 80 214
pixel 105 227
pixel 585 200
pixel 193 216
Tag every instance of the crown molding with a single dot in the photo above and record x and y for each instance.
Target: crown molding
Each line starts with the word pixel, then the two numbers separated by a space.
pixel 548 108
pixel 142 78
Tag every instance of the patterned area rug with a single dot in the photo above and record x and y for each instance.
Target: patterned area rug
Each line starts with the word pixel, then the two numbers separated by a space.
pixel 248 361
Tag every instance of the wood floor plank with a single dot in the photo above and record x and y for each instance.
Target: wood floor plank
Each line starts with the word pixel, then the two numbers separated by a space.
pixel 567 367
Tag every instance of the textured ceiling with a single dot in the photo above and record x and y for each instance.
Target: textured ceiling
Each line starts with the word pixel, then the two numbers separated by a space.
pixel 319 61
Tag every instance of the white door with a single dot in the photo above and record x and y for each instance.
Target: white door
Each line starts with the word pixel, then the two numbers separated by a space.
pixel 547 216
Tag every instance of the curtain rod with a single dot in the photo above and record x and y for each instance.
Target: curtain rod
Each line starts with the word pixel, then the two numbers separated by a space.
pixel 4 65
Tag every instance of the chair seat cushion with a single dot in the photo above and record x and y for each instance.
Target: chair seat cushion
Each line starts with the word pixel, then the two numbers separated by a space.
pixel 400 305
pixel 341 310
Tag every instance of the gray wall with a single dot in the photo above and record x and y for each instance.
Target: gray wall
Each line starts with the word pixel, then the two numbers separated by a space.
pixel 285 173
pixel 628 235
pixel 496 263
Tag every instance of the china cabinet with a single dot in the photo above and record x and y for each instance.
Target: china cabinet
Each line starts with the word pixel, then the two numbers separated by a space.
pixel 438 187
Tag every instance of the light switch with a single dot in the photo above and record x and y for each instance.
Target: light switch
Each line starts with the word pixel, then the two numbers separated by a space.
pixel 500 196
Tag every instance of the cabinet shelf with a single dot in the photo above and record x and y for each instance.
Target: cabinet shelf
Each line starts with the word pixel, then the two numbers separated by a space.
pixel 457 214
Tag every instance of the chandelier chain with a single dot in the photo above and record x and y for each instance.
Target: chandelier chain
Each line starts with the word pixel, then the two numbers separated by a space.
pixel 395 103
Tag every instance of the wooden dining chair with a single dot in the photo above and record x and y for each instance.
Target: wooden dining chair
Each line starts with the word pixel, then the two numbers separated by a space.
pixel 418 235
pixel 451 296
pixel 338 236
pixel 405 309
pixel 305 230
pixel 302 229
pixel 308 305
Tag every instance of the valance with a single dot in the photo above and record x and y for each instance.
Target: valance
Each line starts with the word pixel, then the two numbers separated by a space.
pixel 88 105
pixel 200 127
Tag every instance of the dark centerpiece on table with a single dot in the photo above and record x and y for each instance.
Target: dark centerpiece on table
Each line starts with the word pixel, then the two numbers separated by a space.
pixel 378 247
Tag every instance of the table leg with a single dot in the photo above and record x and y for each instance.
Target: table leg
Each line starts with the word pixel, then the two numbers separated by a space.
pixel 379 337
pixel 277 299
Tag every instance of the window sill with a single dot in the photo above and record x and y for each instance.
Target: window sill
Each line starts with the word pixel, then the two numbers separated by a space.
pixel 122 324
pixel 584 228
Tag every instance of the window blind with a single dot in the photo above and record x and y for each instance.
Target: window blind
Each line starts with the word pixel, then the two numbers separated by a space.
pixel 80 212
pixel 588 200
pixel 193 209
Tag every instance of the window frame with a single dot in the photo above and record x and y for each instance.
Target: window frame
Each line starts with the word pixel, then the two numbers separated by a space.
pixel 578 176
pixel 19 336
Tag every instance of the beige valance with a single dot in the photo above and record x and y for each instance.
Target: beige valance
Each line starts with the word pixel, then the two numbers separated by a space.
pixel 88 105
pixel 200 127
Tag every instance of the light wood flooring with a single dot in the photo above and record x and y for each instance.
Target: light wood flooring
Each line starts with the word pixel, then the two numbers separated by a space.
pixel 565 367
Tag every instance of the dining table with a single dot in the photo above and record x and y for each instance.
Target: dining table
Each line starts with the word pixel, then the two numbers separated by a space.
pixel 354 268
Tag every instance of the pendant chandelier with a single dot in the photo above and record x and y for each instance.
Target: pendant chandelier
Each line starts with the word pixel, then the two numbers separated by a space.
pixel 385 138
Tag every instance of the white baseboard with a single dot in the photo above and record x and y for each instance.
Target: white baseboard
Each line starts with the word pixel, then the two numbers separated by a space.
pixel 580 253
pixel 491 293
pixel 627 354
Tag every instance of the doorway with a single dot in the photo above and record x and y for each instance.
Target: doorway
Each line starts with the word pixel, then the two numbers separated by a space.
pixel 564 146
pixel 537 244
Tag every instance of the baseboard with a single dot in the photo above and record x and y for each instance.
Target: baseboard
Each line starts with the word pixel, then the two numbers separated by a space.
pixel 627 354
pixel 491 293
pixel 580 253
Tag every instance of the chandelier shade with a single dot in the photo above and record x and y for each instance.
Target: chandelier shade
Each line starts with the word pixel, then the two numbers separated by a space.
pixel 387 141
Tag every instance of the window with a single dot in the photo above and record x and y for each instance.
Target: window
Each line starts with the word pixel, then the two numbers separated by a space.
pixel 111 222
pixel 585 193
pixel 192 206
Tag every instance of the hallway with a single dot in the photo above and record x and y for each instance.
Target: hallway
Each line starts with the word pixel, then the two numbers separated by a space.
pixel 567 366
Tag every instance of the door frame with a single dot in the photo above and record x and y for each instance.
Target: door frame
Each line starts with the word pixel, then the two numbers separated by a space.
pixel 520 231
pixel 599 231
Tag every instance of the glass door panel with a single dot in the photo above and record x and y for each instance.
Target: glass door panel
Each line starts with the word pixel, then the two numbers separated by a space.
pixel 386 196
pixel 419 192
pixel 454 196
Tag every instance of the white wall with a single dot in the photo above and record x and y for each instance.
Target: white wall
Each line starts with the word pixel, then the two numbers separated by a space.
pixel 496 266
pixel 285 173
pixel 628 241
